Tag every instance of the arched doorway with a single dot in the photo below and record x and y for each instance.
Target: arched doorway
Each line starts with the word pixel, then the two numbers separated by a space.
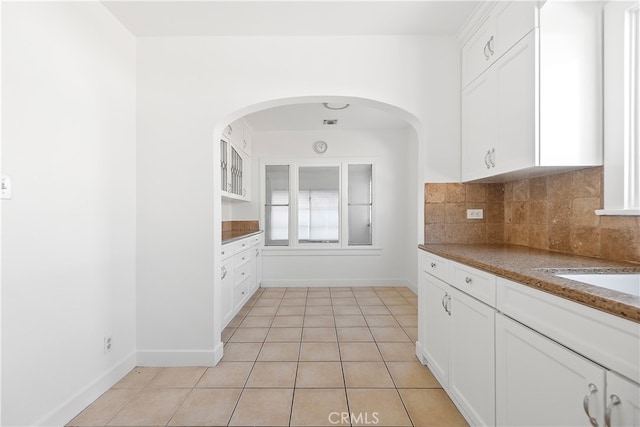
pixel 414 187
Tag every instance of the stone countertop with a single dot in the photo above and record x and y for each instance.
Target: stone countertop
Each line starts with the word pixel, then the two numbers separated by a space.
pixel 233 235
pixel 536 268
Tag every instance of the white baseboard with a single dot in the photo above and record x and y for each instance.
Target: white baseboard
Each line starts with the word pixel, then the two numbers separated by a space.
pixel 218 352
pixel 304 283
pixel 413 287
pixel 76 403
pixel 169 358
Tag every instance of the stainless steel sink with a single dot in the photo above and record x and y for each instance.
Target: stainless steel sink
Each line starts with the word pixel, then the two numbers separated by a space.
pixel 628 283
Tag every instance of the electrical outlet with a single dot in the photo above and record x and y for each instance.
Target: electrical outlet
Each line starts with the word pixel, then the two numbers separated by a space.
pixel 474 214
pixel 107 344
pixel 5 187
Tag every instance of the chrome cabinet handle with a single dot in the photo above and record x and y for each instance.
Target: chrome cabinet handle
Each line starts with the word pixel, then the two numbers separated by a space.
pixel 224 272
pixel 615 400
pixel 486 159
pixel 489 44
pixel 257 253
pixel 585 404
pixel 486 55
pixel 492 157
pixel 468 280
pixel 448 305
pixel 443 302
pixel 433 265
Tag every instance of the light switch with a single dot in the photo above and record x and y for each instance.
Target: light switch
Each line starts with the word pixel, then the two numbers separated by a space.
pixel 5 187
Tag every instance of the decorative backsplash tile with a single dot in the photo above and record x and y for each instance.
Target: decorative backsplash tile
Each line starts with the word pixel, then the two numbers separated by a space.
pixel 554 212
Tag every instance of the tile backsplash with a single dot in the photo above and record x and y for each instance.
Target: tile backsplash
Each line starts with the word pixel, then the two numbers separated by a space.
pixel 554 212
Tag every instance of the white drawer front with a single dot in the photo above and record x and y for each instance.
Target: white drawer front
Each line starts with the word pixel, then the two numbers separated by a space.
pixel 606 339
pixel 256 240
pixel 435 265
pixel 240 274
pixel 239 294
pixel 243 244
pixel 241 259
pixel 227 250
pixel 474 282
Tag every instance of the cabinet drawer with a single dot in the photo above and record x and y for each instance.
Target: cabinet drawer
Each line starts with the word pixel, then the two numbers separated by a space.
pixel 241 259
pixel 256 240
pixel 241 274
pixel 227 250
pixel 606 339
pixel 239 294
pixel 474 282
pixel 241 245
pixel 435 265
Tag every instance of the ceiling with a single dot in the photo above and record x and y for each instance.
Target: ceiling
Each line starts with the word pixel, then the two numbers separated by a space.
pixel 310 117
pixel 290 18
pixel 149 18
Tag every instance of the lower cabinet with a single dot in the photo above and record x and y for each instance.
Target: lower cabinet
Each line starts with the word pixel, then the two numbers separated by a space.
pixel 241 274
pixel 539 382
pixel 532 359
pixel 459 347
pixel 622 403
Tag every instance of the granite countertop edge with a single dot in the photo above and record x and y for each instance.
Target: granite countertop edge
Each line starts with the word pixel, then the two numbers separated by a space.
pixel 232 236
pixel 536 268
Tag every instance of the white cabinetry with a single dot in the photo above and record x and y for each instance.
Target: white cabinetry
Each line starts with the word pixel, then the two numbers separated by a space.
pixel 241 274
pixel 530 362
pixel 508 354
pixel 539 382
pixel 622 403
pixel 458 340
pixel 235 160
pixel 531 97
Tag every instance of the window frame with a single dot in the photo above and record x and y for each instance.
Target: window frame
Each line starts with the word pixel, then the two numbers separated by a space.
pixel 313 248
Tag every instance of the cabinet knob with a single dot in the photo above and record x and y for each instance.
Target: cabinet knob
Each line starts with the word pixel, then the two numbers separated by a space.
pixel 468 280
pixel 585 404
pixel 433 265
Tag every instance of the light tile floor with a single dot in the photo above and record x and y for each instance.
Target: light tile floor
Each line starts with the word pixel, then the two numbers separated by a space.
pixel 294 357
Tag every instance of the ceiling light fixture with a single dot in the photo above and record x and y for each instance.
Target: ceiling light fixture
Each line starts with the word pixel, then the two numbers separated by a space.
pixel 334 106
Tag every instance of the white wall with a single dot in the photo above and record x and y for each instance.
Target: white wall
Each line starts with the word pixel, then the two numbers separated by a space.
pixel 189 88
pixel 68 234
pixel 388 149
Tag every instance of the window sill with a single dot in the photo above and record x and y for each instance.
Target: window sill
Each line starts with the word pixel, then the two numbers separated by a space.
pixel 618 212
pixel 352 251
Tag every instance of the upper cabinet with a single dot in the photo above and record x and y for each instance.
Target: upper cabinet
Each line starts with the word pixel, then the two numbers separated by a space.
pixel 235 160
pixel 532 90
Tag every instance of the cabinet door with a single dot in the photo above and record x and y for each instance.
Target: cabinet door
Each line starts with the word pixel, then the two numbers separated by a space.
pixel 622 401
pixel 471 363
pixel 539 382
pixel 476 52
pixel 437 326
pixel 479 129
pixel 226 291
pixel 516 121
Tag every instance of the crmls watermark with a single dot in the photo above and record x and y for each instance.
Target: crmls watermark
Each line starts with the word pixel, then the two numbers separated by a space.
pixel 352 418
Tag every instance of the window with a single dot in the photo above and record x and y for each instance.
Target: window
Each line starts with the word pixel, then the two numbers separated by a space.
pixel 327 205
pixel 360 204
pixel 622 108
pixel 276 210
pixel 318 204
